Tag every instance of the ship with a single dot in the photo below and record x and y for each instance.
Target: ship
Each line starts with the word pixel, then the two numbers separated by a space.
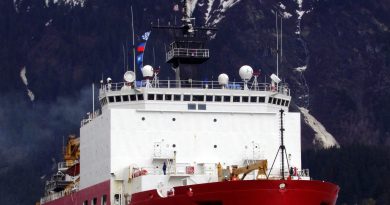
pixel 187 141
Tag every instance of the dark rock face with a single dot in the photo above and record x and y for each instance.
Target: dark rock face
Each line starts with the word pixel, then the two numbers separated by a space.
pixel 344 44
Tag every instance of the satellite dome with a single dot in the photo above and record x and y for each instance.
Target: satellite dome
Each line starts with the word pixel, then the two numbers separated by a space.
pixel 129 76
pixel 223 79
pixel 275 78
pixel 147 71
pixel 246 72
pixel 109 79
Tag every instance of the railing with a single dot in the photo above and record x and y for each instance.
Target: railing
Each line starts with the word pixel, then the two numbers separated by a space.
pixel 90 117
pixel 56 195
pixel 187 52
pixel 193 84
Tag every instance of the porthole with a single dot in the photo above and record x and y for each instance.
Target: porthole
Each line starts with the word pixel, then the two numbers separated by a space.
pixel 215 120
pixel 173 119
pixel 215 146
pixel 143 118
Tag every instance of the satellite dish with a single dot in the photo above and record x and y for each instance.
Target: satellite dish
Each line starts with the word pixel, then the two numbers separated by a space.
pixel 109 80
pixel 246 72
pixel 223 79
pixel 275 78
pixel 147 71
pixel 129 76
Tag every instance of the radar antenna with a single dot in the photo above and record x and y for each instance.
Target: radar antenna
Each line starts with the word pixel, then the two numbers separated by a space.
pixel 188 46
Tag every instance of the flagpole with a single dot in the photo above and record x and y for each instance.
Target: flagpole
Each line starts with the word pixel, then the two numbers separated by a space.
pixel 132 29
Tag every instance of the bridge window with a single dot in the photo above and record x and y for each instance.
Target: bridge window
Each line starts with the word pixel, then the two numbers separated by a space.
pixel 236 98
pixel 177 97
pixel 159 96
pixel 226 98
pixel 287 103
pixel 209 98
pixel 140 97
pixel 150 96
pixel 261 99
pixel 133 98
pixel 274 100
pixel 279 100
pixel 245 99
pixel 253 99
pixel 118 98
pixel 270 100
pixel 125 98
pixel 168 97
pixel 111 99
pixel 283 101
pixel 218 98
pixel 187 97
pixel 198 98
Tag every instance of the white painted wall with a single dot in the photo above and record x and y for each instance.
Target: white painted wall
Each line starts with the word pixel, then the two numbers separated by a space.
pixel 95 151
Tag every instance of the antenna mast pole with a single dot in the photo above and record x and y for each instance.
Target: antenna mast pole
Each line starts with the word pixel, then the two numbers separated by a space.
pixel 132 29
pixel 277 44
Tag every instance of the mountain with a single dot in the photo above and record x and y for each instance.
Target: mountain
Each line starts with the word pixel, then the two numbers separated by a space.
pixel 335 57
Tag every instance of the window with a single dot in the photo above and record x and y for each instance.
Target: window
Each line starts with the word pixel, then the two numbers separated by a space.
pixel 85 202
pixel 94 201
pixel 236 98
pixel 125 98
pixel 192 106
pixel 140 97
pixel 253 99
pixel 133 98
pixel 274 100
pixel 198 98
pixel 187 97
pixel 209 98
pixel 283 101
pixel 287 103
pixel 202 107
pixel 245 99
pixel 118 99
pixel 177 97
pixel 279 100
pixel 159 97
pixel 261 99
pixel 150 96
pixel 111 99
pixel 104 200
pixel 226 98
pixel 218 98
pixel 168 97
pixel 270 100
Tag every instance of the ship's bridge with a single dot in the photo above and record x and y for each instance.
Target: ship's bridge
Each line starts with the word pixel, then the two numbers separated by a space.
pixel 195 96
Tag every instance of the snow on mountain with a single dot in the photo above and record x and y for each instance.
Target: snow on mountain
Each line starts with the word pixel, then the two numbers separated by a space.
pixel 321 135
pixel 67 2
pixel 25 82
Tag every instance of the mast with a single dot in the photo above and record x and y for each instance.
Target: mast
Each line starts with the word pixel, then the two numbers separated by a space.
pixel 282 147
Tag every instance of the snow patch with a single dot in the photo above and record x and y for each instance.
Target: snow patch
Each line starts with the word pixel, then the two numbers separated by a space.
pixel 23 76
pixel 300 13
pixel 48 22
pixel 300 69
pixel 214 17
pixel 282 6
pixel 67 2
pixel 286 15
pixel 321 135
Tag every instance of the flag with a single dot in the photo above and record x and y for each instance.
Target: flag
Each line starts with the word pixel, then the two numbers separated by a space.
pixel 141 47
pixel 140 59
pixel 146 35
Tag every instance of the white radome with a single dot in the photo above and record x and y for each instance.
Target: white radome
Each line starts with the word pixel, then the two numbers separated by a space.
pixel 223 79
pixel 147 71
pixel 246 72
pixel 275 78
pixel 129 76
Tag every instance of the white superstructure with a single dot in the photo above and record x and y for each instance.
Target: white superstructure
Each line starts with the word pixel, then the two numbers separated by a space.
pixel 185 131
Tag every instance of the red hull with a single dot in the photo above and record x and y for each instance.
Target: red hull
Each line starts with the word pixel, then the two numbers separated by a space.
pixel 261 192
